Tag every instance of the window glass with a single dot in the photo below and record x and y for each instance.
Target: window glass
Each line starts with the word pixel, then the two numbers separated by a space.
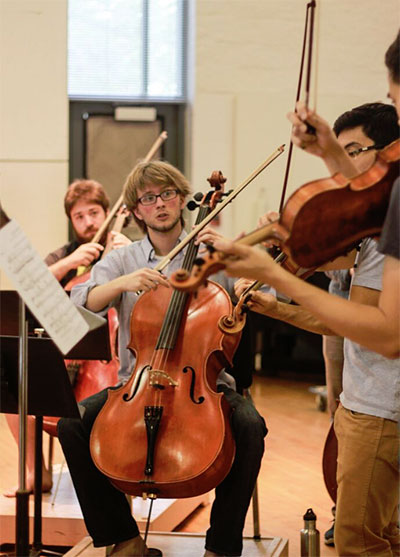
pixel 125 49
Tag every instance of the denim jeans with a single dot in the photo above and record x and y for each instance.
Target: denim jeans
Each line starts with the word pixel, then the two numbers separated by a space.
pixel 105 509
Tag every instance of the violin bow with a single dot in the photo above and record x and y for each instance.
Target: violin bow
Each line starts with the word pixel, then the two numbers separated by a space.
pixel 308 33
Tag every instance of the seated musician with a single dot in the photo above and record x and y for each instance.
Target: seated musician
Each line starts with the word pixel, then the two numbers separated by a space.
pixel 86 205
pixel 155 192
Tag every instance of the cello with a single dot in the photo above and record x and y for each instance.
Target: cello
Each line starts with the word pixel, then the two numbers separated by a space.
pixel 174 437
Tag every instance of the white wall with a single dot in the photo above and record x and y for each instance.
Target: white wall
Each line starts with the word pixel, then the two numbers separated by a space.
pixel 247 56
pixel 34 119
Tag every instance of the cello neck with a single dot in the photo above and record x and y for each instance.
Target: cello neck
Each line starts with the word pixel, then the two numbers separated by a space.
pixel 172 321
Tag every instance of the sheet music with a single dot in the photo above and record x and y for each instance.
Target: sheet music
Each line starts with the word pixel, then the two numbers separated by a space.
pixel 39 289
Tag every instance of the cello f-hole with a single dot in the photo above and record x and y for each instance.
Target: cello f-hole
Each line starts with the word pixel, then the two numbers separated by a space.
pixel 192 384
pixel 127 398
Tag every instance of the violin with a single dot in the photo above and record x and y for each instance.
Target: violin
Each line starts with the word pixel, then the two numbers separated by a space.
pixel 320 221
pixel 174 436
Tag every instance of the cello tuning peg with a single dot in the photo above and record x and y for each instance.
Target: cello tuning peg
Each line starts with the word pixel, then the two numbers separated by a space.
pixel 198 196
pixel 192 205
pixel 227 193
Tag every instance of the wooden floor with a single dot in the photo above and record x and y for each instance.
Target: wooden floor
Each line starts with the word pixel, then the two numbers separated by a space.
pixel 291 478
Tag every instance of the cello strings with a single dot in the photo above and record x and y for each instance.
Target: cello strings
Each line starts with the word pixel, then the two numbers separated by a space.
pixel 177 302
pixel 170 328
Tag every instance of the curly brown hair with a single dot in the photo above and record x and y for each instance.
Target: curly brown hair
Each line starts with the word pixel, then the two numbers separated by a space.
pixel 87 190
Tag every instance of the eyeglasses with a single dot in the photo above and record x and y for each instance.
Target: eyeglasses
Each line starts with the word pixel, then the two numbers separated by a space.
pixel 151 198
pixel 355 152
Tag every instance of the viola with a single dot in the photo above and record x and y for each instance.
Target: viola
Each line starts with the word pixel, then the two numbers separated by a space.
pixel 320 221
pixel 174 437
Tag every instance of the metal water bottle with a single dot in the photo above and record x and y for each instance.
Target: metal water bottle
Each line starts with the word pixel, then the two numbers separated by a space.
pixel 309 536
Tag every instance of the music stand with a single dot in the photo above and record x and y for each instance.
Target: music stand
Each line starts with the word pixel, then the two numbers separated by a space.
pixel 46 373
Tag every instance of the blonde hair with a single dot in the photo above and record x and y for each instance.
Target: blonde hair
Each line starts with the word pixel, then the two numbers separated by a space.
pixel 153 173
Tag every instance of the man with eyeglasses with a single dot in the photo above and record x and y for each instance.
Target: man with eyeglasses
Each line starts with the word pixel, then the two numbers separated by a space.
pixel 155 193
pixel 366 422
pixel 370 382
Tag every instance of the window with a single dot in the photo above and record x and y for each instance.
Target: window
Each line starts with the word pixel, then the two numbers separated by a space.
pixel 127 49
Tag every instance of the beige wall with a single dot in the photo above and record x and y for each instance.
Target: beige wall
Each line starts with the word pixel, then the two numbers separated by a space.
pixel 34 118
pixel 244 70
pixel 247 55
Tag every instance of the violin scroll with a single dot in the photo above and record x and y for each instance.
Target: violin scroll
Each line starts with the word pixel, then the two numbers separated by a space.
pixel 203 267
pixel 234 323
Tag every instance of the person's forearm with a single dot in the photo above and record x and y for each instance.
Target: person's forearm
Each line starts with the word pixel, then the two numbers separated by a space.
pixel 61 268
pixel 339 161
pixel 100 296
pixel 373 327
pixel 299 317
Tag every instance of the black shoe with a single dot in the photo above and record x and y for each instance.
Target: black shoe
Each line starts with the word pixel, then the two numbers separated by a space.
pixel 328 536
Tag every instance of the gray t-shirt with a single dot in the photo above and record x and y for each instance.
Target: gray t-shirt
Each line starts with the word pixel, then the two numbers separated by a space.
pixel 371 382
pixel 127 260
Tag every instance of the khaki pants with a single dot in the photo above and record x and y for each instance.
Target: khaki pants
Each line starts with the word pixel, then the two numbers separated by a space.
pixel 332 349
pixel 368 485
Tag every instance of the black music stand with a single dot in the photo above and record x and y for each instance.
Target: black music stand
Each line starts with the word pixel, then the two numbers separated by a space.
pixel 49 394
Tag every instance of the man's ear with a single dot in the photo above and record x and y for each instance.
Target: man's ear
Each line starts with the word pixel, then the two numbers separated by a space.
pixel 137 213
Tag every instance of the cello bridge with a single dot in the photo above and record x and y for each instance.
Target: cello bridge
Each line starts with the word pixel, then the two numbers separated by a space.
pixel 157 376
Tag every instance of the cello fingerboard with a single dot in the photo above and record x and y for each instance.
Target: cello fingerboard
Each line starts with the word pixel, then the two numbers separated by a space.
pixel 171 324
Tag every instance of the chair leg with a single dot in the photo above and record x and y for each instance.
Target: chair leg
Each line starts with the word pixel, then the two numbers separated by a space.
pixel 53 500
pixel 50 455
pixel 255 503
pixel 256 514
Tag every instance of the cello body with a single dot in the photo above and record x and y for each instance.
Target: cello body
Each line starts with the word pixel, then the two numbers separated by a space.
pixel 193 448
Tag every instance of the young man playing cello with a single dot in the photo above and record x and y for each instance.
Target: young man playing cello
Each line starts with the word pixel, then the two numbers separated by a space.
pixel 86 205
pixel 155 193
